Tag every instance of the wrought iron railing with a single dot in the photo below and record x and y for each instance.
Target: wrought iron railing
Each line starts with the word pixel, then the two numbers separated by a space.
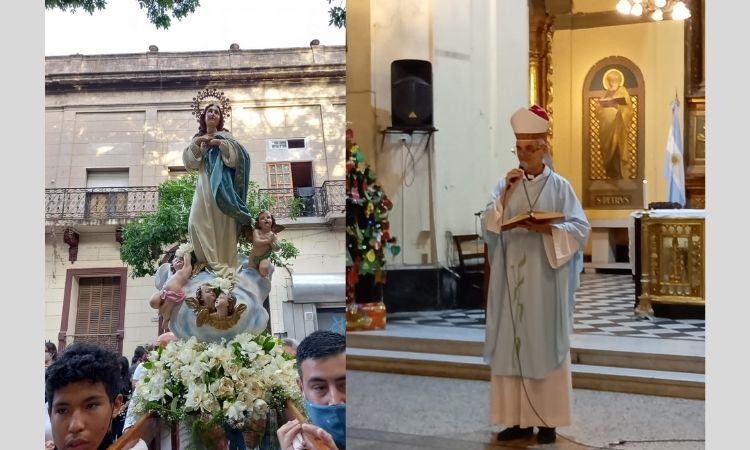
pixel 132 202
pixel 314 201
pixel 101 203
pixel 334 196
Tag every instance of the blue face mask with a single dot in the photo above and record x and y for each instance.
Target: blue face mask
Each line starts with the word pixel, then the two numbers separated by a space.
pixel 330 418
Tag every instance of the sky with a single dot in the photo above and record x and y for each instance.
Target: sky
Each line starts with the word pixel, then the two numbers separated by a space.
pixel 122 27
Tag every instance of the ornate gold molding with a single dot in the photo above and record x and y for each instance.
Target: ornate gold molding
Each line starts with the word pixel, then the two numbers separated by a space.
pixel 673 262
pixel 541 33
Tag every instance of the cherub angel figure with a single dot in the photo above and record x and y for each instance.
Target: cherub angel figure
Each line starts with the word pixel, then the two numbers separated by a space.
pixel 172 293
pixel 263 241
pixel 215 305
pixel 225 304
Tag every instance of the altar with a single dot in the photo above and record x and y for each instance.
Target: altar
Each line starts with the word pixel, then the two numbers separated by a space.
pixel 667 248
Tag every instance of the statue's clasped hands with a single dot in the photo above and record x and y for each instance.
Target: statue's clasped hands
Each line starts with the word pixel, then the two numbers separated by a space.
pixel 207 140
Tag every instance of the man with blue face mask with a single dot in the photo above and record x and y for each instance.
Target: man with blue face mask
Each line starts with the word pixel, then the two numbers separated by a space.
pixel 321 363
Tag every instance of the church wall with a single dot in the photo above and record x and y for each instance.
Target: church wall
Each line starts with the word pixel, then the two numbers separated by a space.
pixel 479 79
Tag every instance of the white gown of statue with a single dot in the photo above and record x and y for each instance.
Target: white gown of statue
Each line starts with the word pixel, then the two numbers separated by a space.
pixel 212 233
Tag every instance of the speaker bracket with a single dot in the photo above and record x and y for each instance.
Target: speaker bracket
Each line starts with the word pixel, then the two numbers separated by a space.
pixel 410 131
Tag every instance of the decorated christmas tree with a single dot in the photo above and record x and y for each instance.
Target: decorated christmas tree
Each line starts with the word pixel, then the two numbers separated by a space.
pixel 368 239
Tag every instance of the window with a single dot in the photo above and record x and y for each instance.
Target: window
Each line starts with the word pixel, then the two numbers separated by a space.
pixel 282 144
pixel 176 172
pixel 290 174
pixel 293 149
pixel 93 307
pixel 106 178
pixel 294 179
pixel 296 143
pixel 98 312
pixel 279 175
pixel 106 197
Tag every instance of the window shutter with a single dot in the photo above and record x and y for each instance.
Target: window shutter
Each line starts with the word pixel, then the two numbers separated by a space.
pixel 98 312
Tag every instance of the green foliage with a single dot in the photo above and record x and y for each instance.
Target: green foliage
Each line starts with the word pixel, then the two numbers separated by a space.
pixel 257 202
pixel 160 12
pixel 337 15
pixel 204 433
pixel 157 11
pixel 87 5
pixel 145 240
pixel 286 251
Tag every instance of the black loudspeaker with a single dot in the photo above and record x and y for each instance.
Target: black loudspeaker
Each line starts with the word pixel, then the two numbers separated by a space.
pixel 411 94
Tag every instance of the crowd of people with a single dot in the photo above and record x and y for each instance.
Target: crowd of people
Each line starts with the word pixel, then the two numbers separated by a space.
pixel 88 389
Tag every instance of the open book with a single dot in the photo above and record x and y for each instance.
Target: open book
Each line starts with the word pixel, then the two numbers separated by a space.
pixel 533 217
pixel 612 102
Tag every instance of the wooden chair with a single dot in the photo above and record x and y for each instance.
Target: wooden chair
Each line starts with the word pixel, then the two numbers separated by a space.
pixel 472 255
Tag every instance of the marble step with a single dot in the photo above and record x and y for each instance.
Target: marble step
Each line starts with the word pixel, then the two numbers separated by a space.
pixel 590 349
pixel 585 376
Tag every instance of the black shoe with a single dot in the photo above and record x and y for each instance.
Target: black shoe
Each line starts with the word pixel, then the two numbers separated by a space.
pixel 546 435
pixel 515 432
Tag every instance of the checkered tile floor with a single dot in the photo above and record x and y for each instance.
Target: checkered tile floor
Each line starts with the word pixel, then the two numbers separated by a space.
pixel 604 305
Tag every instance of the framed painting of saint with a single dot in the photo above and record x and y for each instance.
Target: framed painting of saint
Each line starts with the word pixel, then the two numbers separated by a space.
pixel 613 123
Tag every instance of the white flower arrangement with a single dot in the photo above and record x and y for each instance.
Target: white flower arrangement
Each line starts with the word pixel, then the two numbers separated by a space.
pixel 183 249
pixel 229 383
pixel 220 285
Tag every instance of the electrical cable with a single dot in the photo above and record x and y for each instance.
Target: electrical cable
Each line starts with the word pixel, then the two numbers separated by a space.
pixel 413 161
pixel 413 164
pixel 518 358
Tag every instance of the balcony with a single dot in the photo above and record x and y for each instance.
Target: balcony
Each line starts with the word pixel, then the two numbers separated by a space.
pixel 327 201
pixel 99 205
pixel 118 205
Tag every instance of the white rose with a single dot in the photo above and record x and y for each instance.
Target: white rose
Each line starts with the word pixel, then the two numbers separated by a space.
pixel 222 388
pixel 184 249
pixel 186 355
pixel 156 387
pixel 235 411
pixel 244 375
pixel 260 409
pixel 221 283
pixel 250 348
pixel 198 399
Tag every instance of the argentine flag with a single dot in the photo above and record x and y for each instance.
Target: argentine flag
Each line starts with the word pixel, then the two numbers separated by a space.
pixel 674 168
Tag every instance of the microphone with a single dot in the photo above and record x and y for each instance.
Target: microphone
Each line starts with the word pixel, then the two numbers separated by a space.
pixel 521 166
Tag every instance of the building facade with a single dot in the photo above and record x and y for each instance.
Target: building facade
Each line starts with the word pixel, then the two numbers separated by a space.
pixel 116 126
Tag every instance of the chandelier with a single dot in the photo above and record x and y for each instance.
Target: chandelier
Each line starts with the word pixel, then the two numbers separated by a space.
pixel 656 9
